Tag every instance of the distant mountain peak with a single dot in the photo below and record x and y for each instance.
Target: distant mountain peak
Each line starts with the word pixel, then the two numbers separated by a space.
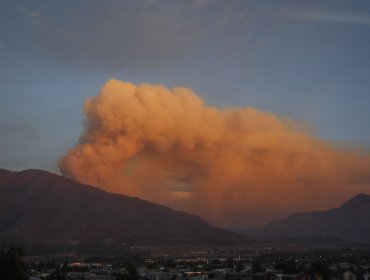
pixel 358 200
pixel 349 222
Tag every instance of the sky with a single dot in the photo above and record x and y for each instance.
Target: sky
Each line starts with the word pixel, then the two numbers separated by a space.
pixel 308 61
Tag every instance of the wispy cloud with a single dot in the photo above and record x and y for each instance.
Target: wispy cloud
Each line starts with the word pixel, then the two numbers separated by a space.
pixel 133 34
pixel 36 16
pixel 326 16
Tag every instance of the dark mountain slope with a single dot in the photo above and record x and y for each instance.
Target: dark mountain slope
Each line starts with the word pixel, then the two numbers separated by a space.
pixel 37 207
pixel 351 221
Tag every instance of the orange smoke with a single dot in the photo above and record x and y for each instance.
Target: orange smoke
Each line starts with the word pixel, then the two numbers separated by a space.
pixel 235 167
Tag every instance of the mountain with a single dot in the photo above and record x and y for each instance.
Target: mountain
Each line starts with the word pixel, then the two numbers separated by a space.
pixel 38 207
pixel 349 222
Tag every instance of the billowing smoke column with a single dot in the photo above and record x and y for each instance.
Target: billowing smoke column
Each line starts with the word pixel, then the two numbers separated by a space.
pixel 235 167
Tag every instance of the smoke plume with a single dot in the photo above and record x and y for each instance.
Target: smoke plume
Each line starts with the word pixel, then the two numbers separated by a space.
pixel 235 167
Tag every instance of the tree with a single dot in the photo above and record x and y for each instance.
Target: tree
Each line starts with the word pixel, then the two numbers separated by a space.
pixel 12 266
pixel 287 266
pixel 239 267
pixel 257 266
pixel 132 273
pixel 321 268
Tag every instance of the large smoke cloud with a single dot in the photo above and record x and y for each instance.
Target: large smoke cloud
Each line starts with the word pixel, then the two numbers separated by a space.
pixel 235 167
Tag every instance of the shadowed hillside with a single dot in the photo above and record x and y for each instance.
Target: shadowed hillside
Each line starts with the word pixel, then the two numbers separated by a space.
pixel 351 221
pixel 37 207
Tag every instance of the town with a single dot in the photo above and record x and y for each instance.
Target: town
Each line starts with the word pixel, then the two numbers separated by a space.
pixel 263 263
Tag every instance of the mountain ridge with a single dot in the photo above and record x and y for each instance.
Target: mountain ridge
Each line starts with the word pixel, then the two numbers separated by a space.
pixel 39 207
pixel 350 221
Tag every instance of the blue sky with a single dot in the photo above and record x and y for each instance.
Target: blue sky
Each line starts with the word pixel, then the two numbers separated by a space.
pixel 308 60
